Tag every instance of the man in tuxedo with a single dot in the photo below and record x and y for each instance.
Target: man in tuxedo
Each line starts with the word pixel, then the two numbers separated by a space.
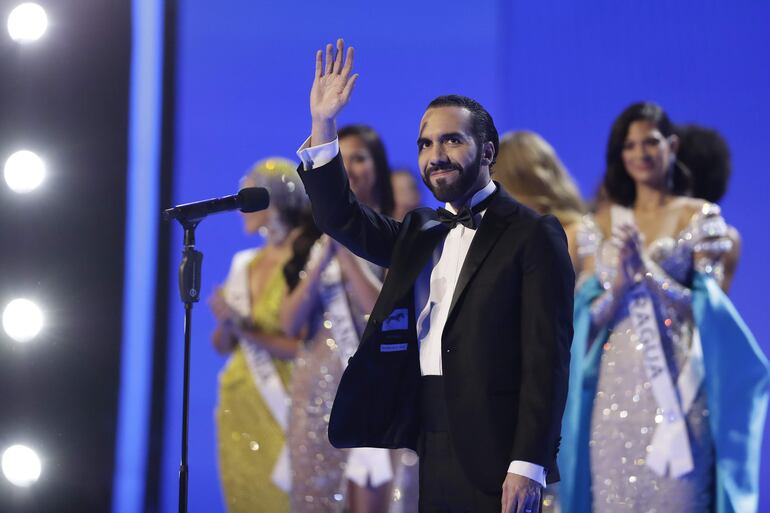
pixel 465 357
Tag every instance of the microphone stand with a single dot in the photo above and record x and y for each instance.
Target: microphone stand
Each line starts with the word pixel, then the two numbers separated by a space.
pixel 189 291
pixel 189 215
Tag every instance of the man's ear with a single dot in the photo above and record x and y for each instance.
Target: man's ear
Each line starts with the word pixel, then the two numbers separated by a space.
pixel 487 153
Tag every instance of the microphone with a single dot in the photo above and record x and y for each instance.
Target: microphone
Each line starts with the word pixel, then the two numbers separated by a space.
pixel 250 199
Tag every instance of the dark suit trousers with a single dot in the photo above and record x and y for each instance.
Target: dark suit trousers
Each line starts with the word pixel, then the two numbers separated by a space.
pixel 444 485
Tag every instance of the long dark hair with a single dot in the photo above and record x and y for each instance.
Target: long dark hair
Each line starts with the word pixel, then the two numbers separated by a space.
pixel 309 233
pixel 617 183
pixel 383 189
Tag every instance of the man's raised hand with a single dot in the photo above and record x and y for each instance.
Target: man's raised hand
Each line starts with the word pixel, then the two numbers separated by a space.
pixel 331 90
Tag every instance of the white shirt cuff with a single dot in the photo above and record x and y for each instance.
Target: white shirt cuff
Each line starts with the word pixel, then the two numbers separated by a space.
pixel 317 156
pixel 530 470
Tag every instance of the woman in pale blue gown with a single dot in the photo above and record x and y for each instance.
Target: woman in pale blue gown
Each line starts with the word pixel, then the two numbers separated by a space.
pixel 658 420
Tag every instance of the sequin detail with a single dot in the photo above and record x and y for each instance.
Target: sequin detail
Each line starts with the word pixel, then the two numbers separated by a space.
pixel 625 413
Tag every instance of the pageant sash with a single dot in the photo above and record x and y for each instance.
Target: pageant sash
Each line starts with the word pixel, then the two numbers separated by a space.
pixel 670 447
pixel 365 465
pixel 260 363
pixel 335 303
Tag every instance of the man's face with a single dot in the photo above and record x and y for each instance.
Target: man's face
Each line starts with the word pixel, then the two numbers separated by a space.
pixel 448 156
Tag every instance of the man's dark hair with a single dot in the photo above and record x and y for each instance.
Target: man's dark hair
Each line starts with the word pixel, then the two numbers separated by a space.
pixel 483 127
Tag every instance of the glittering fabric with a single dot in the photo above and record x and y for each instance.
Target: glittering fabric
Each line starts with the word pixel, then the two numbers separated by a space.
pixel 318 484
pixel 405 482
pixel 249 439
pixel 317 467
pixel 625 413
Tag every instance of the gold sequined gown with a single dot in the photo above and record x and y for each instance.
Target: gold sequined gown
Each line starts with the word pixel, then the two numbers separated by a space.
pixel 625 412
pixel 249 439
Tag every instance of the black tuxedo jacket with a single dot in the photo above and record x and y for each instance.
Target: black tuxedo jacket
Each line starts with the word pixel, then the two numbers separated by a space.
pixel 505 345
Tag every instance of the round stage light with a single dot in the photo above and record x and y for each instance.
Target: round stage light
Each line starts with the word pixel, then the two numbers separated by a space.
pixel 24 171
pixel 27 22
pixel 22 320
pixel 21 465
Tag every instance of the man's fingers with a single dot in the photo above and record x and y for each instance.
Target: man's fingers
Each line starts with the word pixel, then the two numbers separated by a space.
pixel 318 64
pixel 329 58
pixel 524 502
pixel 532 502
pixel 348 63
pixel 349 88
pixel 523 505
pixel 338 58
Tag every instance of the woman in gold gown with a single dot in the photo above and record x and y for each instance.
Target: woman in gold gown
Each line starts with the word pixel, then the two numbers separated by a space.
pixel 252 405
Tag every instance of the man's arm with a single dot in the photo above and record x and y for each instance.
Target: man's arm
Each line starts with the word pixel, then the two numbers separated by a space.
pixel 335 208
pixel 546 337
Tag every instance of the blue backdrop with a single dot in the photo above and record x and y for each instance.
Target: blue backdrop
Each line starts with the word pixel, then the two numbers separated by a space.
pixel 562 69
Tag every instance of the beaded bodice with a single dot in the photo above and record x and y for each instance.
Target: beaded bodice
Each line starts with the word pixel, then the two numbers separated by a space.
pixel 705 236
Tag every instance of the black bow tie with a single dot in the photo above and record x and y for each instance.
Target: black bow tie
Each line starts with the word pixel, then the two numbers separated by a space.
pixel 466 216
pixel 450 220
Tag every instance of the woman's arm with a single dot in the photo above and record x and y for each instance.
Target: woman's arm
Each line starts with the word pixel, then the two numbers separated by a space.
pixel 718 256
pixel 365 285
pixel 278 345
pixel 231 327
pixel 223 338
pixel 300 304
pixel 731 258
pixel 665 287
pixel 604 307
pixel 625 239
pixel 717 246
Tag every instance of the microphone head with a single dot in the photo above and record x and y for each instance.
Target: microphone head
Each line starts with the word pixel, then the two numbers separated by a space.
pixel 253 199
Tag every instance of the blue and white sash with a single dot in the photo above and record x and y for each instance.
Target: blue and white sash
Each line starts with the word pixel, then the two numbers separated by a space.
pixel 670 451
pixel 365 465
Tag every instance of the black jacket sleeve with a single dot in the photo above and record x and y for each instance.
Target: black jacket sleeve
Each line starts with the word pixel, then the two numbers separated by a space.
pixel 546 337
pixel 338 213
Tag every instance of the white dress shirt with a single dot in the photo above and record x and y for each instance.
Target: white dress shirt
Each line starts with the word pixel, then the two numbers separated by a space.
pixel 443 280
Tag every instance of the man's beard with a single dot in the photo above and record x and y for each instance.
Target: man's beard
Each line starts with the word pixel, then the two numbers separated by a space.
pixel 452 192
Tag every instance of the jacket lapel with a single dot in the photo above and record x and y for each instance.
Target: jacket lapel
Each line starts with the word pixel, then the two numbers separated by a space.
pixel 410 258
pixel 492 226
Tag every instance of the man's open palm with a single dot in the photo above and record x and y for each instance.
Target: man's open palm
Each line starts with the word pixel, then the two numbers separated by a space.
pixel 333 82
